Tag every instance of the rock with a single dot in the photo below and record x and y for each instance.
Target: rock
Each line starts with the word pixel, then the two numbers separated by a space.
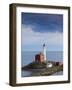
pixel 41 69
pixel 34 65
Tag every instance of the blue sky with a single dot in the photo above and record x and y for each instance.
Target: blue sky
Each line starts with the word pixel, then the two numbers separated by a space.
pixel 41 28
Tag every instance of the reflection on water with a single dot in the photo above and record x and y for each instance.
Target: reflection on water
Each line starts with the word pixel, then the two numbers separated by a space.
pixel 29 73
pixel 26 73
pixel 58 73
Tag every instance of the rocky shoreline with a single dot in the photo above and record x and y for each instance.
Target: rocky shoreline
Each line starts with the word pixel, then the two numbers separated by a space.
pixel 41 69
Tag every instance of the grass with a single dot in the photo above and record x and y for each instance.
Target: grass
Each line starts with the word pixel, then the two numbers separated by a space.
pixel 40 69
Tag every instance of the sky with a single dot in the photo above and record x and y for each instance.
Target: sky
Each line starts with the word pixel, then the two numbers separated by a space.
pixel 37 29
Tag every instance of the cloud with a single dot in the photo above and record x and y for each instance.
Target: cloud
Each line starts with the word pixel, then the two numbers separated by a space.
pixel 43 22
pixel 29 37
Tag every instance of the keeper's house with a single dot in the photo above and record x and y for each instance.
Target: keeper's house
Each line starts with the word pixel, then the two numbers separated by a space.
pixel 39 57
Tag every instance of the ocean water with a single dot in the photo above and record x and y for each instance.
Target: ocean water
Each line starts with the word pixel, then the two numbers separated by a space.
pixel 28 56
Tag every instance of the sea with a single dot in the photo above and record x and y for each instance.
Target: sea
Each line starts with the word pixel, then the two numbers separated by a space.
pixel 29 56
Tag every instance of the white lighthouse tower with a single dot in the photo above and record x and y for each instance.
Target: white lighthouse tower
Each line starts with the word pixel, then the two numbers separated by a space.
pixel 44 51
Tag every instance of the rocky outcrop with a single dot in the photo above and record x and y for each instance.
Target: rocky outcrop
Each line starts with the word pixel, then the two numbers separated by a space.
pixel 41 69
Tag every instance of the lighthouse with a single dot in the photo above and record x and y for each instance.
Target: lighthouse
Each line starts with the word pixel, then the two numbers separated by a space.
pixel 44 51
pixel 41 57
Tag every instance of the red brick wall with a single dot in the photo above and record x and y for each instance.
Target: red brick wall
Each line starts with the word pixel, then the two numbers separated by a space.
pixel 39 58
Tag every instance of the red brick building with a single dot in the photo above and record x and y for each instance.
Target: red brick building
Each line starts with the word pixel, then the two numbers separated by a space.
pixel 39 57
